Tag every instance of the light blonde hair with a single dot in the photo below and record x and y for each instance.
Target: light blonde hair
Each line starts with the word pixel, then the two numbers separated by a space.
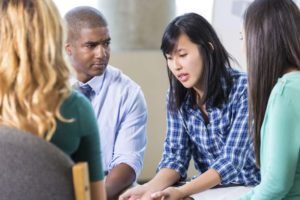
pixel 33 71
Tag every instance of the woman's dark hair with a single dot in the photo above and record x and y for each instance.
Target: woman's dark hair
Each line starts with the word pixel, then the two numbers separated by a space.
pixel 215 61
pixel 272 34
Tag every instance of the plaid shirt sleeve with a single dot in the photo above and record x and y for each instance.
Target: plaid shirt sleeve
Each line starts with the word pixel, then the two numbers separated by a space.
pixel 177 146
pixel 238 143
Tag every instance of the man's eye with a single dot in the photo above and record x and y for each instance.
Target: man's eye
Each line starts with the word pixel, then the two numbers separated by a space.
pixel 106 44
pixel 90 46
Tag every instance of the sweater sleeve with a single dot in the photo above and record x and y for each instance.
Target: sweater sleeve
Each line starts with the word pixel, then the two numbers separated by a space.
pixel 89 146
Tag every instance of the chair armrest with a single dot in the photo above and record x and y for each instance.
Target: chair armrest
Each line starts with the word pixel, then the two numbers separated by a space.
pixel 81 181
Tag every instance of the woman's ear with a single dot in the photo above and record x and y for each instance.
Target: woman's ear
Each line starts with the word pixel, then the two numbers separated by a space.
pixel 211 46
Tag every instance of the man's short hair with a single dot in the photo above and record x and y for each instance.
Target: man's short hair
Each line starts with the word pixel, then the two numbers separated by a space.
pixel 83 17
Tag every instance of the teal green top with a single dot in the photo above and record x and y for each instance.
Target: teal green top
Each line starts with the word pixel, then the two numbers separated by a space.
pixel 80 138
pixel 280 143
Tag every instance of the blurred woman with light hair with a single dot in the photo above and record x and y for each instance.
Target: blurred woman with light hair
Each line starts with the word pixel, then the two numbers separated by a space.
pixel 35 95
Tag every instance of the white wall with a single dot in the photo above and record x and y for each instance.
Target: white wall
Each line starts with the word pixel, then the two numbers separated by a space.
pixel 64 6
pixel 227 20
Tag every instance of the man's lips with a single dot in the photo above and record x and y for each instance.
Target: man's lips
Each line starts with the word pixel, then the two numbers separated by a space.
pixel 99 65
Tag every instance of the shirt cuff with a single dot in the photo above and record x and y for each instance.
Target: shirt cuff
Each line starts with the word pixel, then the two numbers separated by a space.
pixel 225 169
pixel 134 162
pixel 177 166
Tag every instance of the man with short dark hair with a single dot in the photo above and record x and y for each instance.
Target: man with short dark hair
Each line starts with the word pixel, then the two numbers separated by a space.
pixel 118 102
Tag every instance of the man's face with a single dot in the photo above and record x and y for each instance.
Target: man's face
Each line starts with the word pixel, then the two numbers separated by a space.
pixel 89 52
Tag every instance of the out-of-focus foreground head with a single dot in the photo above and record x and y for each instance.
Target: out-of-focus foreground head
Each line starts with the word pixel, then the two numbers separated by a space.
pixel 33 73
pixel 272 39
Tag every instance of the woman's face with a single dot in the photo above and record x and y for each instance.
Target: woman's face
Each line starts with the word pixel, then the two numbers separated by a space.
pixel 185 62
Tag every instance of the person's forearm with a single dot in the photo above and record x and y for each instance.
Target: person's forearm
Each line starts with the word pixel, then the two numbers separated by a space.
pixel 205 181
pixel 98 191
pixel 163 179
pixel 118 179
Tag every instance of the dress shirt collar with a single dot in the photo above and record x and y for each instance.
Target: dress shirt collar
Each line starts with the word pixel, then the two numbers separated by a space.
pixel 95 83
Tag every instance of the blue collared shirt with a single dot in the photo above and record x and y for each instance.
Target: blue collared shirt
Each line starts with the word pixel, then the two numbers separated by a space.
pixel 121 112
pixel 222 144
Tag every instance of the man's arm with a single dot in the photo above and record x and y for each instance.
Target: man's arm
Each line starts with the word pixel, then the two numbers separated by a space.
pixel 129 146
pixel 118 179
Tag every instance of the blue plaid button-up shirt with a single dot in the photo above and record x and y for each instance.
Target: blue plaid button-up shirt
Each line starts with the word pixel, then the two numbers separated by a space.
pixel 222 144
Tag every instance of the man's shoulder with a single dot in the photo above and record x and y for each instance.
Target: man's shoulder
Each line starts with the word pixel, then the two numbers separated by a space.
pixel 118 78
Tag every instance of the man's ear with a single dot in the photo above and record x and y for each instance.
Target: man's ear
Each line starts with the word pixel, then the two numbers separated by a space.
pixel 68 49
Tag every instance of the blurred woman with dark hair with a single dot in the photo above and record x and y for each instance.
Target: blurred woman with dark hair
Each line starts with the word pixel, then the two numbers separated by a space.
pixel 272 41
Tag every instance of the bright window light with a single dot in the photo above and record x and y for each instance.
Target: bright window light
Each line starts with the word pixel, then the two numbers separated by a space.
pixel 65 6
pixel 204 7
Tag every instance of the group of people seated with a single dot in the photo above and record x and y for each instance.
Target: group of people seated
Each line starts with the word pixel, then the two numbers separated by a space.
pixel 241 129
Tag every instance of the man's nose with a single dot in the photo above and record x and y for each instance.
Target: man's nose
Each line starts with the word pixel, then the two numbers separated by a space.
pixel 101 52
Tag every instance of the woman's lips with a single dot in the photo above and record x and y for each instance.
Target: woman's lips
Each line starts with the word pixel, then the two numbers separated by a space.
pixel 183 77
